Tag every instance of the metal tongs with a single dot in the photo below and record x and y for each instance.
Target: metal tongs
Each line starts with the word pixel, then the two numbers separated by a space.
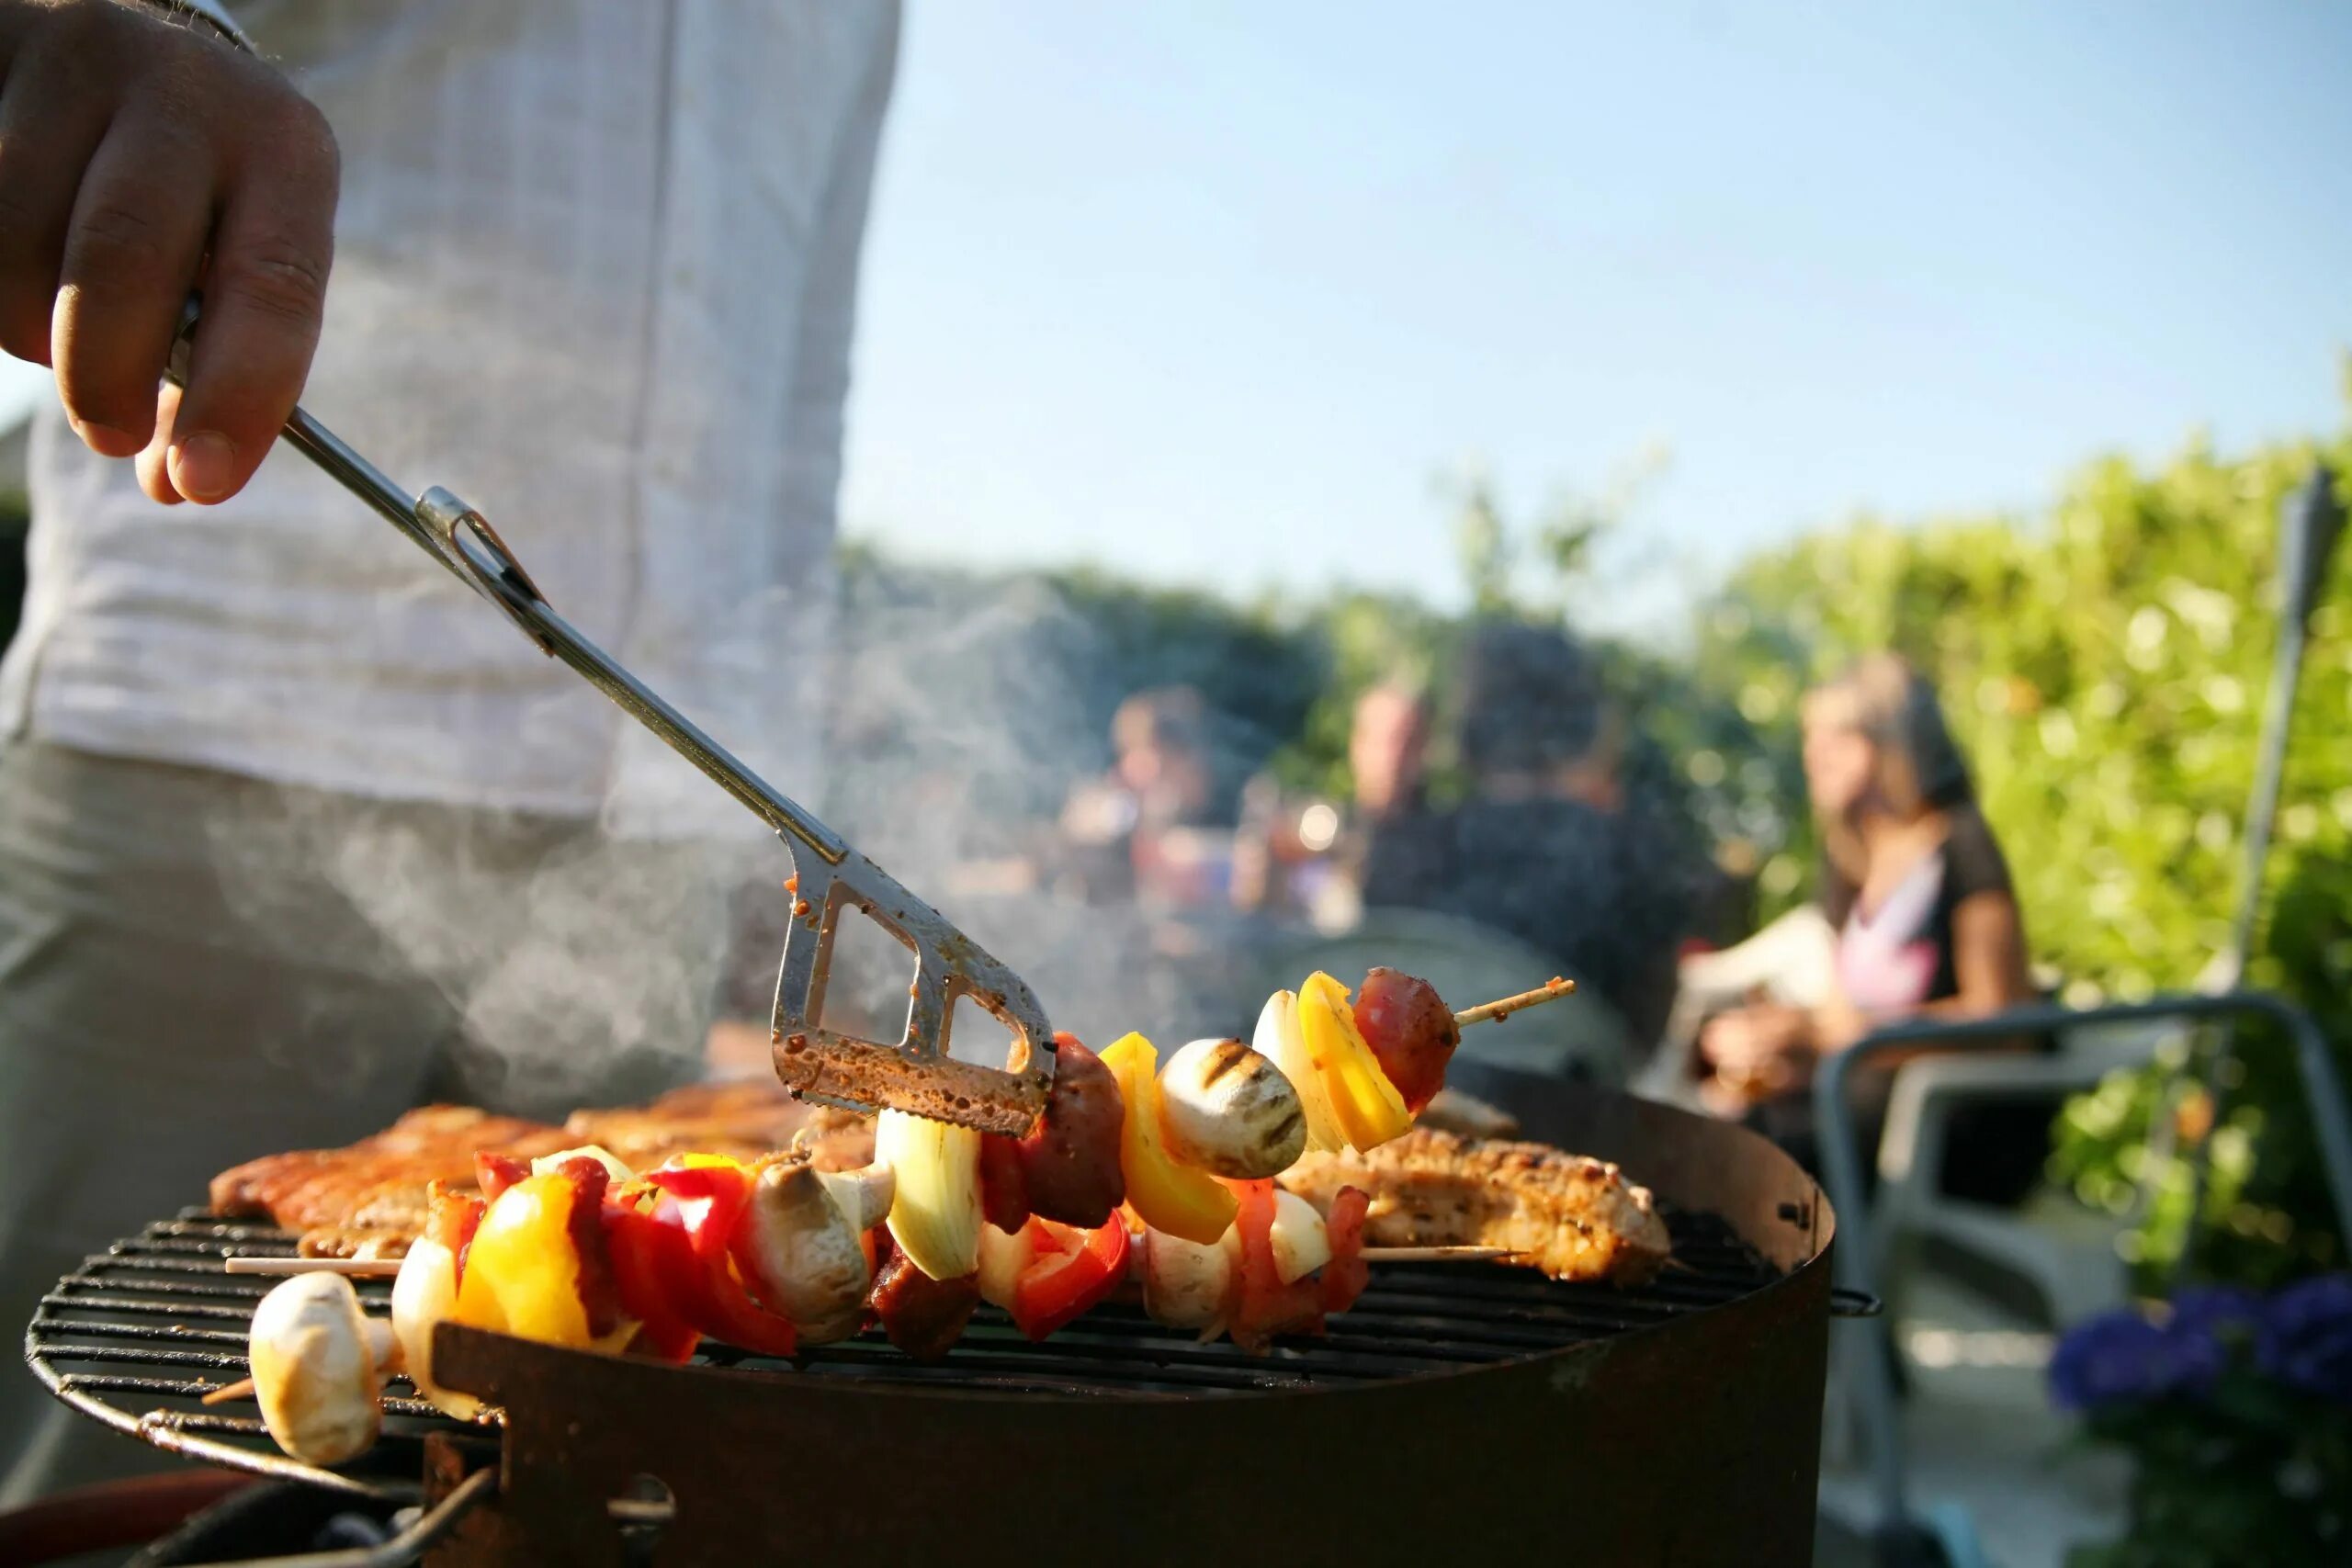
pixel 829 877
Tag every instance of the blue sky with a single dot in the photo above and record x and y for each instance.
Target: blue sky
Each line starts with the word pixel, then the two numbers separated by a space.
pixel 1211 292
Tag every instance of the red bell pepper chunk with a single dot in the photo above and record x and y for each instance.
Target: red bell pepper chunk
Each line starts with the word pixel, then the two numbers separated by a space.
pixel 647 1254
pixel 451 1219
pixel 710 1199
pixel 1070 1272
pixel 598 1285
pixel 494 1173
pixel 1346 1275
pixel 706 1203
pixel 1264 1307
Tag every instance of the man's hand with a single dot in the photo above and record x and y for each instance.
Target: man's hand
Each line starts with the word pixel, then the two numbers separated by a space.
pixel 140 158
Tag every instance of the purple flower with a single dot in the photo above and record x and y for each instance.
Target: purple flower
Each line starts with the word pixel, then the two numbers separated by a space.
pixel 2226 1311
pixel 2307 1343
pixel 2117 1357
pixel 2122 1358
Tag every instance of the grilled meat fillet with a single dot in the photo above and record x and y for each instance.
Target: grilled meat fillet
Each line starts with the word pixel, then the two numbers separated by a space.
pixel 740 1120
pixel 368 1199
pixel 369 1184
pixel 1576 1218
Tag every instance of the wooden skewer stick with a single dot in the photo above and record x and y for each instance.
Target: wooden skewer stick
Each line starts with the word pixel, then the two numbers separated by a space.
pixel 1439 1254
pixel 241 1389
pixel 358 1267
pixel 1551 990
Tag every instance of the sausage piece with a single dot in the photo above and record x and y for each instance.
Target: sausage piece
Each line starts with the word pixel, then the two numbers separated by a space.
pixel 1410 1031
pixel 1069 1160
pixel 920 1315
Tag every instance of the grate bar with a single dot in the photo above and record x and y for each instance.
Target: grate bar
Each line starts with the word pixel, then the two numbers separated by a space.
pixel 212 1360
pixel 190 1311
pixel 56 1327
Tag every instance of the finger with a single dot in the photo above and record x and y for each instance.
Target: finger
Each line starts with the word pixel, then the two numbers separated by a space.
pixel 264 295
pixel 152 464
pixel 50 122
pixel 131 252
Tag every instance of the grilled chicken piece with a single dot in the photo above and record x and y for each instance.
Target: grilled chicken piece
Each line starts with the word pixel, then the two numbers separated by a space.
pixel 1576 1217
pixel 336 1187
pixel 352 1241
pixel 741 1119
pixel 369 1199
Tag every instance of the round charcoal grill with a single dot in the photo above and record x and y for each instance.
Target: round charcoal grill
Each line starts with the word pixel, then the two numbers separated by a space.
pixel 1457 1408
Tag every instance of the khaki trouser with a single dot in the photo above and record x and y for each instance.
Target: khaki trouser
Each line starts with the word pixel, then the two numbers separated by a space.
pixel 197 968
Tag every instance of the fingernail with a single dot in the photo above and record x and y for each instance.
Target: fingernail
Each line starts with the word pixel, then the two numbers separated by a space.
pixel 107 441
pixel 204 467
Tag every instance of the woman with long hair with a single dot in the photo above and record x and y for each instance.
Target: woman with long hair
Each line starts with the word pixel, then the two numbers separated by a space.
pixel 1915 889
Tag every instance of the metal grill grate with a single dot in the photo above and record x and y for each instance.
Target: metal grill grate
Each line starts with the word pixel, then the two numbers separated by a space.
pixel 138 1335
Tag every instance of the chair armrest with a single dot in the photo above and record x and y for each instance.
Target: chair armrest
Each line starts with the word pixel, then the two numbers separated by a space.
pixel 1859 1267
pixel 1926 1091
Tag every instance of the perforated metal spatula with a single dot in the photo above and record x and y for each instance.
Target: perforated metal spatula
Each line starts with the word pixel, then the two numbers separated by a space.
pixel 830 878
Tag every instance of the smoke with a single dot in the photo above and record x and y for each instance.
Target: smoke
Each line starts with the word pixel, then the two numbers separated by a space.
pixel 534 965
pixel 508 959
pixel 963 713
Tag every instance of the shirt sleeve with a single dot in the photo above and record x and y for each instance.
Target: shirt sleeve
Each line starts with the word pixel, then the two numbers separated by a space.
pixel 829 304
pixel 1972 860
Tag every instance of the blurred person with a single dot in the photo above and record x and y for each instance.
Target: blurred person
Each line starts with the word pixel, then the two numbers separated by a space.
pixel 1388 750
pixel 293 828
pixel 1918 913
pixel 1303 855
pixel 1141 829
pixel 1550 846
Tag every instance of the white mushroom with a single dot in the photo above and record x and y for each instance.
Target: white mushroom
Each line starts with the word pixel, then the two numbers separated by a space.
pixel 1229 1110
pixel 804 1231
pixel 864 1197
pixel 1184 1284
pixel 316 1359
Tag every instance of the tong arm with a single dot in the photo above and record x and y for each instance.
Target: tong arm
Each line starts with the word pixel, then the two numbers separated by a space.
pixel 917 1074
pixel 465 544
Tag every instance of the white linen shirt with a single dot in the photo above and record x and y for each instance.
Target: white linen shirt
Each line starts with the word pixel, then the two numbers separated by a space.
pixel 596 271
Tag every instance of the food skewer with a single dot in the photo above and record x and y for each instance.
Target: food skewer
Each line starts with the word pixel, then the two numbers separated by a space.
pixel 1496 1011
pixel 371 1268
pixel 1499 1008
pixel 389 1267
pixel 1031 1224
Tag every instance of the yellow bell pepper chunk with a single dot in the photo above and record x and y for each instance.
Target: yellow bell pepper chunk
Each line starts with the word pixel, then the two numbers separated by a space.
pixel 1365 1104
pixel 1165 1193
pixel 694 1160
pixel 522 1272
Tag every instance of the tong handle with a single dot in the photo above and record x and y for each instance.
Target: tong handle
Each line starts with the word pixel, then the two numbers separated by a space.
pixel 462 540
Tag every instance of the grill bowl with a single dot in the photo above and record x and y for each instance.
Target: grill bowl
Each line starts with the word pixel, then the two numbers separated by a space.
pixel 1458 1408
